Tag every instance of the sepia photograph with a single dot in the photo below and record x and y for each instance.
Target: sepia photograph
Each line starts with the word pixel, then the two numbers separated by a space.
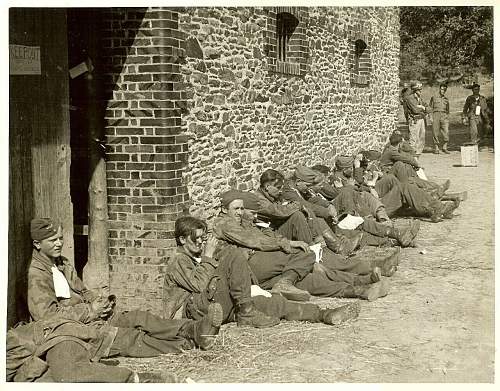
pixel 250 193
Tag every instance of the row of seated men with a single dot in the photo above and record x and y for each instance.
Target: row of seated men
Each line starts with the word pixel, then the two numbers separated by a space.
pixel 268 251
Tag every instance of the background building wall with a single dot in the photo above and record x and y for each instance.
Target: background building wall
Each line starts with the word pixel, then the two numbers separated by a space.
pixel 245 116
pixel 198 102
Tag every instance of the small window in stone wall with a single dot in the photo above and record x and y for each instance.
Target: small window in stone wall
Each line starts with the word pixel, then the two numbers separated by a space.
pixel 285 40
pixel 285 26
pixel 360 60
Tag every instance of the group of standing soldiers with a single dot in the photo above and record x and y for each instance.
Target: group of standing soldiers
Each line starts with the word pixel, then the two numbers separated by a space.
pixel 257 263
pixel 475 114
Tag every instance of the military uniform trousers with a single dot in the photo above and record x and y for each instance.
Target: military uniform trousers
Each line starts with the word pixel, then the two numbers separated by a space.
pixel 233 287
pixel 417 135
pixel 268 266
pixel 440 123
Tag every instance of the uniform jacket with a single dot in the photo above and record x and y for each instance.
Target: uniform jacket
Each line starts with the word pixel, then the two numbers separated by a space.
pixel 28 343
pixel 247 235
pixel 316 203
pixel 415 112
pixel 42 300
pixel 185 278
pixel 392 155
pixel 470 106
pixel 440 103
pixel 274 210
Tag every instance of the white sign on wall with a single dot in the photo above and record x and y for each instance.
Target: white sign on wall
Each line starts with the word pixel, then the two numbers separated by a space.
pixel 24 60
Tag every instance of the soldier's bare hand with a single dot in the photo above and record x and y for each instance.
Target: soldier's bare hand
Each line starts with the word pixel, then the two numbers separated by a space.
pixel 300 244
pixel 210 246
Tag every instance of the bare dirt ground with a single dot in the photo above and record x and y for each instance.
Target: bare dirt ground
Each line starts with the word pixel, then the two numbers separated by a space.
pixel 436 324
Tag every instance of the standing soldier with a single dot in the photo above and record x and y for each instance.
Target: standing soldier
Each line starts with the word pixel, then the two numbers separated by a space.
pixel 476 112
pixel 416 118
pixel 440 107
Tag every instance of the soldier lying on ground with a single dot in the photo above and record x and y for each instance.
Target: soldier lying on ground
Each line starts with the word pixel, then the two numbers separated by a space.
pixel 54 289
pixel 56 349
pixel 202 272
pixel 274 263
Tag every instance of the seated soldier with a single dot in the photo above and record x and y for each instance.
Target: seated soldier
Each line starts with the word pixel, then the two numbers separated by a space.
pixel 404 167
pixel 236 227
pixel 276 261
pixel 200 273
pixel 360 204
pixel 54 289
pixel 296 226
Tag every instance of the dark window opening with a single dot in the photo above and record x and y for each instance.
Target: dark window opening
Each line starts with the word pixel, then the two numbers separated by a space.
pixel 359 48
pixel 285 26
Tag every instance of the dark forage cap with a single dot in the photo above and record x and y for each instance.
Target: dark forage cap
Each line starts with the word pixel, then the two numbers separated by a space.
pixel 43 228
pixel 307 175
pixel 250 200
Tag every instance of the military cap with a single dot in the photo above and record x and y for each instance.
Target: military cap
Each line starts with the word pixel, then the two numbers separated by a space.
pixel 305 174
pixel 250 200
pixel 43 228
pixel 343 162
pixel 371 154
pixel 475 85
pixel 416 85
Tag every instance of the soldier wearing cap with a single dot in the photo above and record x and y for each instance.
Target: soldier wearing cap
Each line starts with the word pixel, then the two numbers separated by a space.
pixel 416 118
pixel 55 290
pixel 440 106
pixel 476 112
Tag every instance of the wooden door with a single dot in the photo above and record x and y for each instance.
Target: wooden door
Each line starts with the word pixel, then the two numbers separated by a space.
pixel 39 143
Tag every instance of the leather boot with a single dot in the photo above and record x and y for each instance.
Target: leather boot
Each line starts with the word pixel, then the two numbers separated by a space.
pixel 389 265
pixel 204 331
pixel 248 315
pixel 436 150
pixel 404 236
pixel 455 196
pixel 285 287
pixel 366 279
pixel 445 148
pixel 436 211
pixel 341 244
pixel 335 316
pixel 155 377
pixel 381 215
pixel 373 291
pixel 449 208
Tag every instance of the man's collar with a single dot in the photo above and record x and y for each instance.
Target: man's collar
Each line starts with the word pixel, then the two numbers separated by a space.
pixel 46 260
pixel 265 194
pixel 180 250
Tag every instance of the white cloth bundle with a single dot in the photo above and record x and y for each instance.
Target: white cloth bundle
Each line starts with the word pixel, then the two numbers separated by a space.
pixel 61 285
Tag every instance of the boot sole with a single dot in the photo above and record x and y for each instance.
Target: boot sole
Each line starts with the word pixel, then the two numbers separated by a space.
pixel 379 289
pixel 213 322
pixel 343 314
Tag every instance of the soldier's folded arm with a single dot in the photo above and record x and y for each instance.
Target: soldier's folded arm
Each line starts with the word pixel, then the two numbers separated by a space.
pixel 189 277
pixel 249 238
pixel 42 303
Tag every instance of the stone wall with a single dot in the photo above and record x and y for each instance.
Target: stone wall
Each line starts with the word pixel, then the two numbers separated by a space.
pixel 246 115
pixel 199 100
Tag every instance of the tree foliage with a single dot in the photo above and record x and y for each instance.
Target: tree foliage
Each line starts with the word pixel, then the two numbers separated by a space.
pixel 440 42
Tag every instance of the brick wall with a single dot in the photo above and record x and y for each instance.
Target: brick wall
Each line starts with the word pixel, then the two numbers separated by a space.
pixel 147 149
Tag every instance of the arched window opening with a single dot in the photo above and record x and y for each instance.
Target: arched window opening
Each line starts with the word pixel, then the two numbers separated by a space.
pixel 359 48
pixel 285 26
